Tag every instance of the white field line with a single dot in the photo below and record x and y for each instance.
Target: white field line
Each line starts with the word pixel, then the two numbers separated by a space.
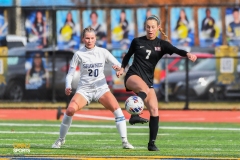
pixel 95 117
pixel 105 140
pixel 113 126
pixel 72 133
pixel 55 133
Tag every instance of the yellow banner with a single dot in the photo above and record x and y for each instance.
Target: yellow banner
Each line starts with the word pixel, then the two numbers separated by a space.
pixel 226 64
pixel 3 65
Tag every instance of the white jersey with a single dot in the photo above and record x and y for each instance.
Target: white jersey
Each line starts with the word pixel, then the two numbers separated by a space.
pixel 91 63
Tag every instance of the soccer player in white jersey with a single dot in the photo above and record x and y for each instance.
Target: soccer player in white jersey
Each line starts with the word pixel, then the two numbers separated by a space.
pixel 92 86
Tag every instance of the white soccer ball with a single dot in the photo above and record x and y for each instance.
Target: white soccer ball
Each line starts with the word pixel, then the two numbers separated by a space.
pixel 134 105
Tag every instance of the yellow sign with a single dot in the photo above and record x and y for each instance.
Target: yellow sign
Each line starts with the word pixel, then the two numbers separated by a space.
pixel 21 145
pixel 21 148
pixel 3 65
pixel 226 64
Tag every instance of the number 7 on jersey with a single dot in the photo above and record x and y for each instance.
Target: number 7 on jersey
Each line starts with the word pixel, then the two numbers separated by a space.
pixel 149 52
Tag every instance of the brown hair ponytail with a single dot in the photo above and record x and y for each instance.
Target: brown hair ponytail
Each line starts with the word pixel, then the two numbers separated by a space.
pixel 164 34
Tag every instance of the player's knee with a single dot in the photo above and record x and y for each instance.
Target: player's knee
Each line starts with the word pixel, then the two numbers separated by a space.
pixel 153 111
pixel 70 111
pixel 145 90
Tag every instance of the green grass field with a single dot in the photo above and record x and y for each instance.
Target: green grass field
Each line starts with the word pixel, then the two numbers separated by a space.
pixel 89 139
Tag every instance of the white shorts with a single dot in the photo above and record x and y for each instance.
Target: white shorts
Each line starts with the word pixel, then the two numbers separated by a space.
pixel 93 95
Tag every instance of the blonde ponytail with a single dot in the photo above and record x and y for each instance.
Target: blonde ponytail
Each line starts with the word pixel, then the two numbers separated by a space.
pixel 164 34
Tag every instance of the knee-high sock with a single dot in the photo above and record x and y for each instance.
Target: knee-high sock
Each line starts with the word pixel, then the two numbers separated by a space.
pixel 121 124
pixel 153 128
pixel 65 125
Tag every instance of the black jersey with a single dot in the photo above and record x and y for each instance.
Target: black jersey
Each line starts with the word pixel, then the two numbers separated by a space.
pixel 147 53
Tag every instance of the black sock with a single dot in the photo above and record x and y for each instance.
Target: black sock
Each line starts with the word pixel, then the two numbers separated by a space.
pixel 142 95
pixel 153 128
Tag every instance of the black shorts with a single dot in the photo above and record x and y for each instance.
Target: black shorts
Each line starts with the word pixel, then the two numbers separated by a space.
pixel 133 73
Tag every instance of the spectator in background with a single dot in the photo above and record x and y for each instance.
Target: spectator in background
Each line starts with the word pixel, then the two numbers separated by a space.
pixel 100 32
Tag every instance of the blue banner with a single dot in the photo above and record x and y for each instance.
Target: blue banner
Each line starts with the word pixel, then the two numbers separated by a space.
pixel 182 26
pixel 142 14
pixel 3 28
pixel 97 20
pixel 36 26
pixel 26 3
pixel 122 27
pixel 232 22
pixel 210 27
pixel 68 29
pixel 6 3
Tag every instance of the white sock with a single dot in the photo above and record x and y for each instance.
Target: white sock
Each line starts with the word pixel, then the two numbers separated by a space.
pixel 121 124
pixel 65 125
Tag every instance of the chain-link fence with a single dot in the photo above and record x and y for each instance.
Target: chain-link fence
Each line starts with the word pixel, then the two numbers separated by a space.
pixel 39 75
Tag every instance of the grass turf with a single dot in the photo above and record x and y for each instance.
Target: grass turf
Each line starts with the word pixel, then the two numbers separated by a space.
pixel 213 140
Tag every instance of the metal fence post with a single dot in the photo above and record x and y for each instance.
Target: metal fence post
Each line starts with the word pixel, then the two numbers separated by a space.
pixel 166 80
pixel 186 107
pixel 53 58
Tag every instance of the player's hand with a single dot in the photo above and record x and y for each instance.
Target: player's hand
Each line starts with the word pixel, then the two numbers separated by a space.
pixel 68 91
pixel 120 72
pixel 192 57
pixel 116 67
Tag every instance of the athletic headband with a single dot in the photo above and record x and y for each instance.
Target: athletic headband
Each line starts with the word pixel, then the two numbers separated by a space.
pixel 154 17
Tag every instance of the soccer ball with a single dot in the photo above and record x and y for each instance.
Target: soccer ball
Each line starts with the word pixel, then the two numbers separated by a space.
pixel 134 105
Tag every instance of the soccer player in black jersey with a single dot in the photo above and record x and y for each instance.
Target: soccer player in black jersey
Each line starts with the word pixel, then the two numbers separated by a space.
pixel 148 50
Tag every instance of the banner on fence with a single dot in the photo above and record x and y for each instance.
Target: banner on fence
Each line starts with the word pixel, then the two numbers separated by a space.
pixel 226 64
pixel 68 29
pixel 3 65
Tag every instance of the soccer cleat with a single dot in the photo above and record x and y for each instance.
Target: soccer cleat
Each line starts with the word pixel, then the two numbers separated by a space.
pixel 152 147
pixel 58 143
pixel 137 119
pixel 127 145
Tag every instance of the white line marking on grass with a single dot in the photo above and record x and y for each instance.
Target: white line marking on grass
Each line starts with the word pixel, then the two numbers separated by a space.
pixel 105 140
pixel 113 126
pixel 72 133
pixel 174 115
pixel 69 133
pixel 192 119
pixel 95 117
pixel 200 128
